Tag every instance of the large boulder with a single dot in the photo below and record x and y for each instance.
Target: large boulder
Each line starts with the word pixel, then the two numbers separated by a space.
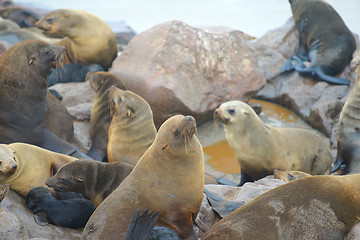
pixel 317 102
pixel 180 69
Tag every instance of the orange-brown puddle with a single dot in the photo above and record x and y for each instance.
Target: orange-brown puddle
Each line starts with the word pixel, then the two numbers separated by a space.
pixel 221 156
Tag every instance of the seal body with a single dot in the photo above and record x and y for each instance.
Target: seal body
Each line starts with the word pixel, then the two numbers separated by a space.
pixel 26 166
pixel 132 129
pixel 24 95
pixel 101 82
pixel 348 138
pixel 260 148
pixel 87 38
pixel 324 40
pixel 317 207
pixel 72 213
pixel 159 181
pixel 95 180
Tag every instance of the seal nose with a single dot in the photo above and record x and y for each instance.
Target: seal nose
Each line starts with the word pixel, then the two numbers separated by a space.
pixel 189 118
pixel 14 165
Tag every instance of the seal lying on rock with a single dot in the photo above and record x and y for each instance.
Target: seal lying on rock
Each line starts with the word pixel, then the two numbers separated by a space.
pixel 95 180
pixel 87 38
pixel 24 166
pixel 72 213
pixel 317 207
pixel 260 148
pixel 168 178
pixel 24 96
pixel 324 40
pixel 132 129
pixel 100 119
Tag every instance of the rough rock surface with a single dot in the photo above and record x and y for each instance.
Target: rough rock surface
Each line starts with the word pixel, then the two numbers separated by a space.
pixel 181 69
pixel 317 102
pixel 17 222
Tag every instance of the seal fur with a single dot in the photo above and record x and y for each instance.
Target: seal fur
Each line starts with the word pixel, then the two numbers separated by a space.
pixel 260 148
pixel 159 181
pixel 324 40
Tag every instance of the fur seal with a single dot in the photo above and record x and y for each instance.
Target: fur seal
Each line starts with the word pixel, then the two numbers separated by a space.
pixel 324 40
pixel 95 180
pixel 159 181
pixel 26 18
pixel 25 166
pixel 24 96
pixel 317 207
pixel 288 176
pixel 71 213
pixel 87 38
pixel 348 135
pixel 260 148
pixel 132 129
pixel 101 82
pixel 142 227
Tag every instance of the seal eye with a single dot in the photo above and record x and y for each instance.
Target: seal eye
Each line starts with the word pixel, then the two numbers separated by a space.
pixel 231 111
pixel 291 177
pixel 49 20
pixel 61 180
pixel 0 162
pixel 177 132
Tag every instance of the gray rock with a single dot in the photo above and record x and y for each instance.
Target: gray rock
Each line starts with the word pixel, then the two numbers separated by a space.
pixel 180 69
pixel 17 222
pixel 317 102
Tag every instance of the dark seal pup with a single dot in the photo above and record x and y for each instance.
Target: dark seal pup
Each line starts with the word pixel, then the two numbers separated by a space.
pixel 95 180
pixel 72 213
pixel 24 96
pixel 324 40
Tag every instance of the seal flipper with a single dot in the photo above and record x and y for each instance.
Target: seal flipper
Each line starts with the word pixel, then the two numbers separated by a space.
pixel 141 226
pixel 41 218
pixel 320 72
pixel 293 63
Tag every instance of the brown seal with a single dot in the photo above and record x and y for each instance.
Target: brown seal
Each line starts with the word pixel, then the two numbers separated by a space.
pixel 24 96
pixel 168 178
pixel 87 38
pixel 260 148
pixel 132 129
pixel 348 135
pixel 288 176
pixel 317 207
pixel 324 40
pixel 25 166
pixel 101 82
pixel 95 180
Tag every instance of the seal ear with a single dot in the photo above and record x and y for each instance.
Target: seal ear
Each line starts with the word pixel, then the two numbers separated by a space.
pixel 41 218
pixel 130 113
pixel 31 60
pixel 79 179
pixel 245 112
pixel 164 146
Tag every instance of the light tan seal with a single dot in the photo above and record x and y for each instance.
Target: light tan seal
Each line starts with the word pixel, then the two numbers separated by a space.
pixel 87 38
pixel 260 148
pixel 25 166
pixel 168 178
pixel 317 207
pixel 288 176
pixel 100 119
pixel 95 180
pixel 132 129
